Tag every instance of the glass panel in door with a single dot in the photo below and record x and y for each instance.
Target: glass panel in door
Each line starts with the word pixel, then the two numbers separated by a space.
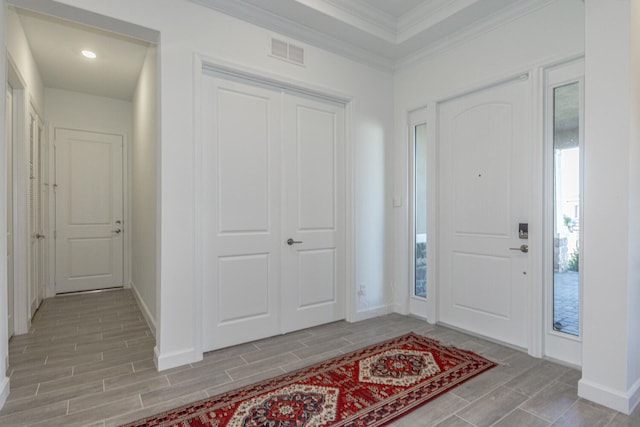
pixel 567 207
pixel 420 209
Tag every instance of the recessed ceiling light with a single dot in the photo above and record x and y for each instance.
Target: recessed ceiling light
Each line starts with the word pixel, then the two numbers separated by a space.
pixel 89 54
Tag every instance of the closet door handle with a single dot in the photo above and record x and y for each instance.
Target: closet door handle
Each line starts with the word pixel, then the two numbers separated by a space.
pixel 292 242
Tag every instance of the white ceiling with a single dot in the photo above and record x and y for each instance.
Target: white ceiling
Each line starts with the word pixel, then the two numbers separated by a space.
pixel 394 8
pixel 382 33
pixel 56 46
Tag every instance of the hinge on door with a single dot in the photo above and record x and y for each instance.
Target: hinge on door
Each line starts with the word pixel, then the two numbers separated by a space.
pixel 55 234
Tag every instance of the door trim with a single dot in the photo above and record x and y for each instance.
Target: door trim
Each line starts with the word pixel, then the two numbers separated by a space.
pixel 555 345
pixel 126 199
pixel 22 320
pixel 533 328
pixel 536 71
pixel 204 63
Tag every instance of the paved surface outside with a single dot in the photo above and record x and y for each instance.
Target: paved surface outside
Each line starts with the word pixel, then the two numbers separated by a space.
pixel 566 302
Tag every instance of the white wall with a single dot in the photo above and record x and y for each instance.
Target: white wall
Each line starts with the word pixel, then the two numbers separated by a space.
pixel 186 29
pixel 4 339
pixel 546 35
pixel 28 92
pixel 76 110
pixel 611 273
pixel 20 54
pixel 633 334
pixel 144 160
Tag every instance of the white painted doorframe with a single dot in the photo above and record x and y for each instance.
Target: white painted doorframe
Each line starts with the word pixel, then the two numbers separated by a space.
pixel 37 234
pixel 22 309
pixel 536 306
pixel 51 212
pixel 557 345
pixel 98 228
pixel 209 65
pixel 274 209
pixel 10 247
pixel 485 191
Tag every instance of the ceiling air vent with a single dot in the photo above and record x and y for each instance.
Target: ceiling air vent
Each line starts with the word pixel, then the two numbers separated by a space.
pixel 288 52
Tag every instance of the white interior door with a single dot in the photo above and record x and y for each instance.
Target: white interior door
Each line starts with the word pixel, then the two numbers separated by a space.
pixel 89 210
pixel 484 195
pixel 9 165
pixel 43 214
pixel 35 230
pixel 241 212
pixel 313 215
pixel 272 170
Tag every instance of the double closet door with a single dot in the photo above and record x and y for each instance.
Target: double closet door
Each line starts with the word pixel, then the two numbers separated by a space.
pixel 273 210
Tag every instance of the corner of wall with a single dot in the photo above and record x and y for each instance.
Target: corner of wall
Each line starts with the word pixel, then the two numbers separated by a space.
pixel 143 308
pixel 370 313
pixel 4 391
pixel 621 402
pixel 175 359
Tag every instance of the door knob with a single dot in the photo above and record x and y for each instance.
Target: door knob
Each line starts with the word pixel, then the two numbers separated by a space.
pixel 117 231
pixel 522 248
pixel 291 242
pixel 40 236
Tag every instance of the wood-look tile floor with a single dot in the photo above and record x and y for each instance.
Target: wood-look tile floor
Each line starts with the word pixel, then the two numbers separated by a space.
pixel 88 360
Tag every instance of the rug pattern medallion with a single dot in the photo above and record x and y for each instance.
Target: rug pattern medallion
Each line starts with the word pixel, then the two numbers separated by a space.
pixel 368 387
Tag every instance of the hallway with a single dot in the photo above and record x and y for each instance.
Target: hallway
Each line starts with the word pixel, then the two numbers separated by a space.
pixel 88 360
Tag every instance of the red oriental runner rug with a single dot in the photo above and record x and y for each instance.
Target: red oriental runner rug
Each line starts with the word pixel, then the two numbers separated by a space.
pixel 368 387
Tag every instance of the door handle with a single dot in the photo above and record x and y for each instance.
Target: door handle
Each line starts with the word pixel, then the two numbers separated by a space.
pixel 40 236
pixel 522 248
pixel 117 231
pixel 291 242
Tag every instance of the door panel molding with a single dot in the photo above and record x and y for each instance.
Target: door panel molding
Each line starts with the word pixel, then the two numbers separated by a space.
pixel 84 176
pixel 206 69
pixel 478 224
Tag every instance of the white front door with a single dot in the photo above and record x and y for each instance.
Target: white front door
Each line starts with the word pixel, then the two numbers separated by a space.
pixel 10 276
pixel 89 210
pixel 269 174
pixel 313 217
pixel 484 195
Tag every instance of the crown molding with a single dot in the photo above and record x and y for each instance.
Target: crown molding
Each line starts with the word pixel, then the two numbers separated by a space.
pixel 268 20
pixel 427 15
pixel 435 11
pixel 363 11
pixel 518 9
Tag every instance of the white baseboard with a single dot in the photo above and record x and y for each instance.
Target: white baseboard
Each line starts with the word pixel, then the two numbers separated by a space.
pixel 144 309
pixel 4 391
pixel 634 396
pixel 400 309
pixel 624 402
pixel 175 359
pixel 369 313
